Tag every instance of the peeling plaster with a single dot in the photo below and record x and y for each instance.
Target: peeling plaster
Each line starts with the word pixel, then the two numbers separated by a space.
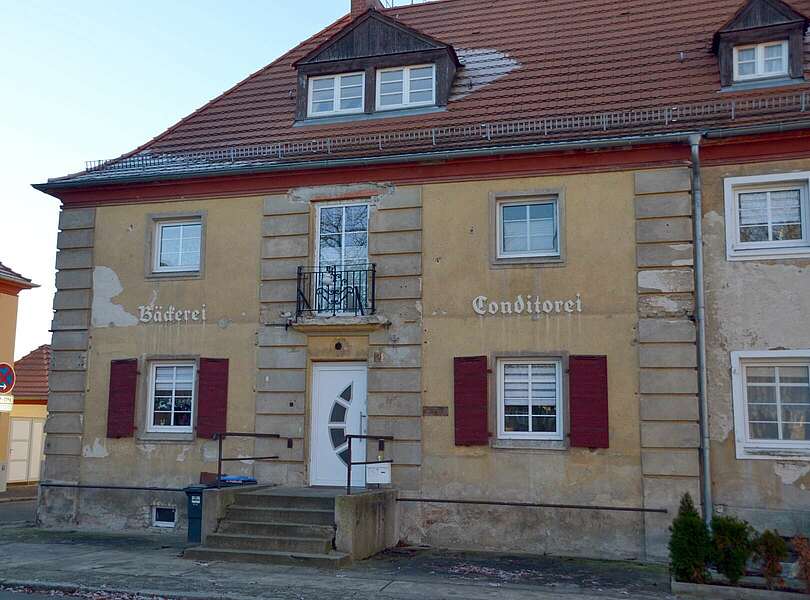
pixel 790 473
pixel 210 451
pixel 481 67
pixel 105 313
pixel 183 454
pixel 97 450
pixel 325 192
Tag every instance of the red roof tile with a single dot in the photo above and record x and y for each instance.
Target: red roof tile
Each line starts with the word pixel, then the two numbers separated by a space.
pixel 527 60
pixel 32 374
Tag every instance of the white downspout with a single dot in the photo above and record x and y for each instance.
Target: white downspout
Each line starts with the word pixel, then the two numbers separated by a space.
pixel 700 318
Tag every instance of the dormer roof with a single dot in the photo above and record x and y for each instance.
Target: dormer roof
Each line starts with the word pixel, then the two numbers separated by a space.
pixel 373 34
pixel 759 14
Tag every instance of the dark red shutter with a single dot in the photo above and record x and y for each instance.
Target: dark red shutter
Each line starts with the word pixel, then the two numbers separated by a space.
pixel 121 404
pixel 588 399
pixel 212 397
pixel 470 401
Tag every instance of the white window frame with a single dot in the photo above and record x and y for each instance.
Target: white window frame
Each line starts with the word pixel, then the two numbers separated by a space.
pixel 747 448
pixel 150 409
pixel 760 61
pixel 779 249
pixel 501 253
pixel 406 88
pixel 164 524
pixel 158 237
pixel 336 95
pixel 559 435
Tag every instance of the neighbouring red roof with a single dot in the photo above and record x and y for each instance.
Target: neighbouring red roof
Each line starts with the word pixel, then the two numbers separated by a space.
pixel 32 374
pixel 14 278
pixel 538 70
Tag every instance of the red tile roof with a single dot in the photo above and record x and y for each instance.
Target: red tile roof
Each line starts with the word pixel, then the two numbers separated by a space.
pixel 567 62
pixel 7 274
pixel 32 374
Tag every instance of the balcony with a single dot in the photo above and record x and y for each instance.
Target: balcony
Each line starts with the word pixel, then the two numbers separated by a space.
pixel 336 291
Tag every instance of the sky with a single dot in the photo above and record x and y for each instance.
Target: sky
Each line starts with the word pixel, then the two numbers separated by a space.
pixel 87 79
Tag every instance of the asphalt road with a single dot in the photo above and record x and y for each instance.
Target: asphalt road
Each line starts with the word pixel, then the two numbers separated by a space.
pixel 15 512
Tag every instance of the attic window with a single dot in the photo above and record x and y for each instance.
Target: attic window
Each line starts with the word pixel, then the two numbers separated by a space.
pixel 760 61
pixel 336 94
pixel 406 87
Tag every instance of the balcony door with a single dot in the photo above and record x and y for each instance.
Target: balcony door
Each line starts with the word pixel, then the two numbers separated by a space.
pixel 341 282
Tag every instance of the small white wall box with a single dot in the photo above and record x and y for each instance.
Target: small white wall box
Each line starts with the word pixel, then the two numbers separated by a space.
pixel 380 473
pixel 164 516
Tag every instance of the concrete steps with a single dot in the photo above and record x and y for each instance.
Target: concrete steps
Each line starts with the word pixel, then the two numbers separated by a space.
pixel 274 525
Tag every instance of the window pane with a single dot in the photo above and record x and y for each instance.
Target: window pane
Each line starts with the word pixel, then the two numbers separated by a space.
pixel 761 394
pixel 787 232
pixel 515 244
pixel 356 240
pixel 170 232
pixel 323 95
pixel 514 229
pixel 162 419
pixel 753 208
pixel 786 206
pixel 754 234
pixel 185 373
pixel 541 211
pixel 544 425
pixel 389 76
pixel 794 375
pixel 351 81
pixel 421 96
pixel 795 394
pixel 323 84
pixel 163 403
pixel 422 73
pixel 394 87
pixel 351 103
pixel 747 54
pixel 514 213
pixel 331 220
pixel 773 51
pixel 392 100
pixel 764 431
pixel 760 374
pixel 182 419
pixel 763 412
pixel 170 246
pixel 796 413
pixel 164 373
pixel 421 85
pixel 356 218
pixel 516 424
pixel 796 431
pixel 323 107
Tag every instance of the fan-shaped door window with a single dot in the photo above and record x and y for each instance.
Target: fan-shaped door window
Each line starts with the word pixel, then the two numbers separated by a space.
pixel 337 423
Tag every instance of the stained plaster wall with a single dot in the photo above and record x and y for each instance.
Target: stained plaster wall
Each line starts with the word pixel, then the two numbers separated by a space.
pixel 112 267
pixel 752 305
pixel 601 265
pixel 8 317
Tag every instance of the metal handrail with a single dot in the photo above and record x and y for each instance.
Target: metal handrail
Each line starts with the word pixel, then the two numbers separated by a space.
pixel 333 290
pixel 220 459
pixel 349 463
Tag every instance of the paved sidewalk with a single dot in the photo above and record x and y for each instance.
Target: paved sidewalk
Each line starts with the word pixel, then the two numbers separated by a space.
pixel 47 559
pixel 19 493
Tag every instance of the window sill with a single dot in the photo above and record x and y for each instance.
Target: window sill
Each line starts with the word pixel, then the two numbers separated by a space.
pixel 174 275
pixel 770 253
pixel 508 444
pixel 165 437
pixel 527 261
pixel 384 114
pixel 756 452
pixel 759 84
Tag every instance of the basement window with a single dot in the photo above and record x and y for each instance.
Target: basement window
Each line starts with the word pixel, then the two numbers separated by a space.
pixel 771 393
pixel 164 516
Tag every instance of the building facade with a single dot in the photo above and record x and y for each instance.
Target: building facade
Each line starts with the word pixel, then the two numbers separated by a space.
pixel 28 416
pixel 511 302
pixel 11 284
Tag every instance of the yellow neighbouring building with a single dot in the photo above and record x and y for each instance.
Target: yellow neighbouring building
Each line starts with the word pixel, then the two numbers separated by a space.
pixel 11 284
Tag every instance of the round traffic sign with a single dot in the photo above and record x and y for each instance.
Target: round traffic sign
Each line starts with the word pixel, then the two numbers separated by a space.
pixel 7 378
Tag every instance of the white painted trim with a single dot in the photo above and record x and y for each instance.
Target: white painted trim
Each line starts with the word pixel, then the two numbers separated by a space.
pixel 406 88
pixel 158 236
pixel 747 449
pixel 336 95
pixel 500 252
pixel 150 408
pixel 736 250
pixel 559 435
pixel 760 61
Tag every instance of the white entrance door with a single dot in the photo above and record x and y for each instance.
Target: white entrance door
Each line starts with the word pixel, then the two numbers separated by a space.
pixel 339 407
pixel 25 449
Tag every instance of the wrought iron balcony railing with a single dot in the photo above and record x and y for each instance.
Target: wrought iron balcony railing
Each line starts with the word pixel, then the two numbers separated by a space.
pixel 331 291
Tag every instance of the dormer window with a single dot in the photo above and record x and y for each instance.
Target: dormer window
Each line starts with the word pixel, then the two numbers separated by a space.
pixel 759 61
pixel 406 87
pixel 336 94
pixel 762 45
pixel 375 67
